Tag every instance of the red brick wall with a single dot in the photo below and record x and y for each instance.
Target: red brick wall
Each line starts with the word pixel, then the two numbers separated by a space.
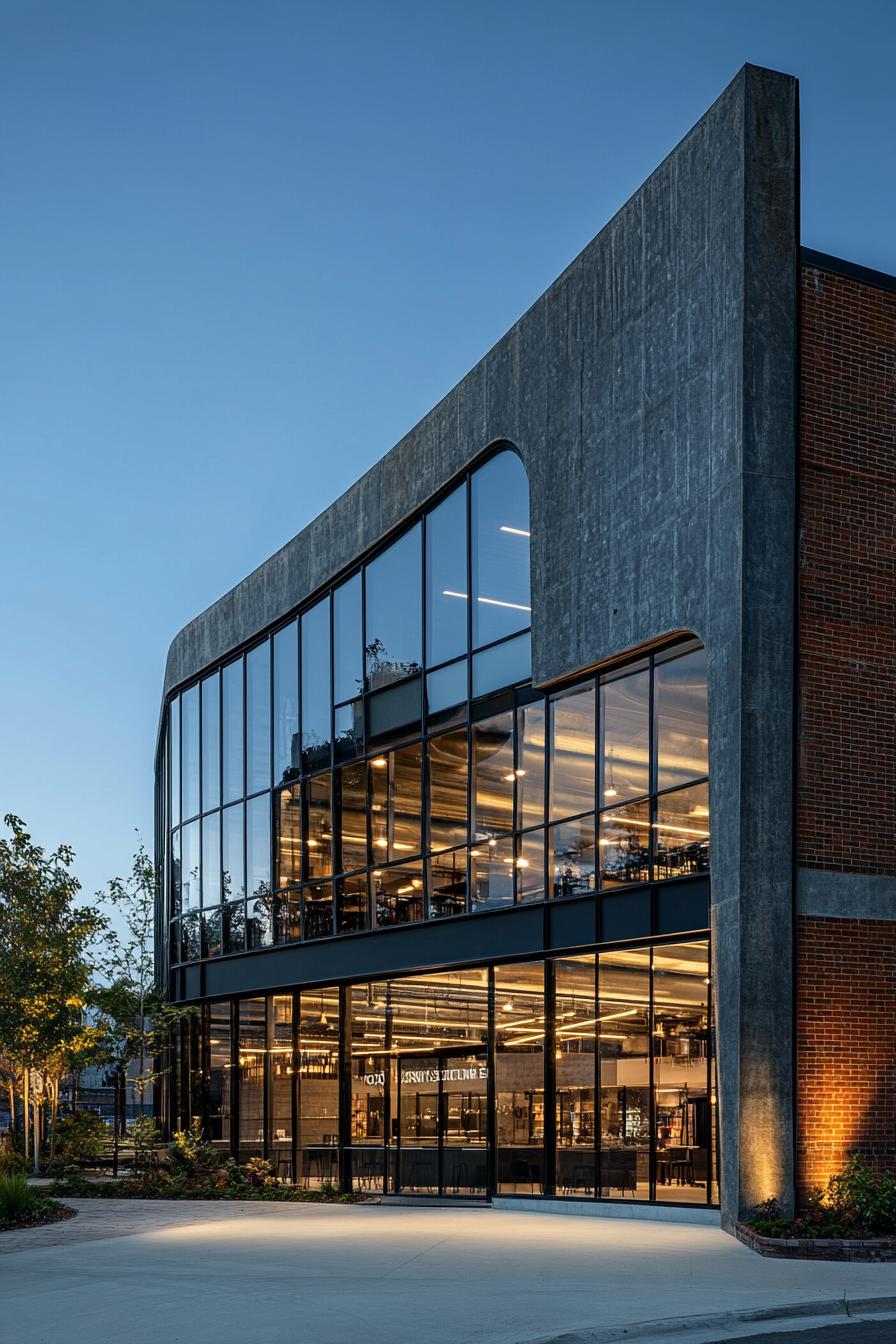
pixel 846 806
pixel 846 1044
pixel 847 583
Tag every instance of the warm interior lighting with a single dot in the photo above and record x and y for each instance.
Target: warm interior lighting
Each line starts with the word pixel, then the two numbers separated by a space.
pixel 522 863
pixel 379 762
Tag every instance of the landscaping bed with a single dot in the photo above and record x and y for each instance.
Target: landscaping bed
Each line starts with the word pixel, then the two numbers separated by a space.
pixel 193 1169
pixel 852 1218
pixel 23 1206
pixel 817 1248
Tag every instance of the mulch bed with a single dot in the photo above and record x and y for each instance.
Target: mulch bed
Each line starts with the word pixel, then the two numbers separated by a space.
pixel 52 1213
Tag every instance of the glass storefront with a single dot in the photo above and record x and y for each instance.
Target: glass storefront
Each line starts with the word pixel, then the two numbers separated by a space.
pixel 581 1077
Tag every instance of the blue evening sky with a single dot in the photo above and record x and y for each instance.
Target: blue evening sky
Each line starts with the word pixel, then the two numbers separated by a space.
pixel 246 244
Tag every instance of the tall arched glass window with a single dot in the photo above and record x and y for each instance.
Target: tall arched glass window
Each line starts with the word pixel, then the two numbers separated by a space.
pixel 502 603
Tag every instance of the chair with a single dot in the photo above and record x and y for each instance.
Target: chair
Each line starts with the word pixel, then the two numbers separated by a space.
pixel 681 1166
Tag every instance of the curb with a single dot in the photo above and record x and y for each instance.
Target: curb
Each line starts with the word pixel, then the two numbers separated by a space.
pixel 843 1307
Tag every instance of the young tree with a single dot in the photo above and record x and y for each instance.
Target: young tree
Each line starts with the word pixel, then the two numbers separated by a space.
pixel 45 940
pixel 133 1015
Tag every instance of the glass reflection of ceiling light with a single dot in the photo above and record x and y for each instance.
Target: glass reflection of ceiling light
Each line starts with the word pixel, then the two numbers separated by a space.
pixel 489 601
pixel 610 791
pixel 522 863
pixel 514 531
pixel 474 853
pixel 381 843
pixel 495 602
pixel 492 843
pixel 508 779
pixel 379 762
pixel 416 883
pixel 377 872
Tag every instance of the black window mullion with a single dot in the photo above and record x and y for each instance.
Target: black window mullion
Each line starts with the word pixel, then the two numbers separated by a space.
pixel 294 1091
pixel 550 1078
pixel 598 1098
pixel 651 1104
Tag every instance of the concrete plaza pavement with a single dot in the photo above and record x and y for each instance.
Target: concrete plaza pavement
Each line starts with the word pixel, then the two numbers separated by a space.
pixel 190 1273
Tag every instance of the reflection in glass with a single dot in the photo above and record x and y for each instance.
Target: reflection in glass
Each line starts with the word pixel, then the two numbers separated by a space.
pixel 624 1025
pixel 503 665
pixel 233 862
pixel 394 601
pixel 289 836
pixel 190 750
pixel 448 884
pixel 395 793
pixel 252 1048
pixel 575 1039
pixel 398 894
pixel 352 904
pixel 447 687
pixel 572 857
pixel 258 845
pixel 258 722
pixel 259 920
pixel 624 737
pixel 282 1076
pixel 233 926
pixel 351 818
pixel 446 579
pixel 530 867
pixel 530 775
pixel 572 752
pixel 191 947
pixel 396 710
pixel 288 917
pixel 319 1088
pixel 681 732
pixel 348 675
pixel 319 832
pixel 683 1113
pixel 190 866
pixel 211 932
pixel 211 859
pixel 625 845
pixel 448 789
pixel 220 1101
pixel 211 742
pixel 491 874
pixel 174 760
pixel 500 542
pixel 317 910
pixel 348 723
pixel 287 761
pixel 232 684
pixel 493 776
pixel 174 897
pixel 316 686
pixel 519 1077
pixel 682 832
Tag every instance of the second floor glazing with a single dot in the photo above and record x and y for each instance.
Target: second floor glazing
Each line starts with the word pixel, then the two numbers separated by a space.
pixel 383 758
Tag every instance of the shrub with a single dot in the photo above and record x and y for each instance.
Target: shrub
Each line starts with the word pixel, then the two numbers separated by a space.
pixel 10 1158
pixel 146 1139
pixel 80 1137
pixel 865 1196
pixel 856 1202
pixel 16 1197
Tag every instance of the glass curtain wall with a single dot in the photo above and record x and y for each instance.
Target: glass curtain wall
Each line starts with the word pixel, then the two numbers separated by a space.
pixel 580 1077
pixel 382 758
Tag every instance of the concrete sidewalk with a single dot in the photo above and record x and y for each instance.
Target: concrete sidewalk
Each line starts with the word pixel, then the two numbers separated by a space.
pixel 327 1274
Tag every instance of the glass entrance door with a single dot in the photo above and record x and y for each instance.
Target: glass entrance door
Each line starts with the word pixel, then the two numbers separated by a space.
pixel 442 1124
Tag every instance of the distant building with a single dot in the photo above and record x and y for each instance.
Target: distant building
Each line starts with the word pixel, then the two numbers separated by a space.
pixel 528 820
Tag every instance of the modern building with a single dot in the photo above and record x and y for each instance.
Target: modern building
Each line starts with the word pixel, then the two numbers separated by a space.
pixel 527 821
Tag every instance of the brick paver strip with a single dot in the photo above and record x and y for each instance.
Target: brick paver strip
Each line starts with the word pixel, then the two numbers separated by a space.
pixel 99 1219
